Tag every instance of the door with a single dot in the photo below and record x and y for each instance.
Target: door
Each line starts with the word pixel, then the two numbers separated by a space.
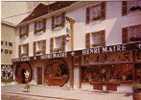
pixel 39 75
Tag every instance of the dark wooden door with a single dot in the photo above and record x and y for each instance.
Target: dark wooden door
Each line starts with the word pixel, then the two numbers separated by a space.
pixel 39 75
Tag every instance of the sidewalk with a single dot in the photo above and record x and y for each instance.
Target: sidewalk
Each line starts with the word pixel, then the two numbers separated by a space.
pixel 67 94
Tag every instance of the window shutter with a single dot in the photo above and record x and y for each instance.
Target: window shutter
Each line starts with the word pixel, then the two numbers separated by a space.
pixel 124 35
pixel 44 23
pixel 27 30
pixel 87 15
pixel 44 46
pixel 51 45
pixel 34 48
pixel 52 22
pixel 63 19
pixel 103 10
pixel 63 43
pixel 19 50
pixel 27 49
pixel 103 37
pixel 87 40
pixel 124 8
pixel 35 25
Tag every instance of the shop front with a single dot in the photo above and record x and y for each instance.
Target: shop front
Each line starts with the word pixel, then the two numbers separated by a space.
pixel 110 68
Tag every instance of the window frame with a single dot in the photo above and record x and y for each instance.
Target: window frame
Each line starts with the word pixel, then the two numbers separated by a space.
pixel 60 25
pixel 26 30
pixel 42 50
pixel 89 36
pixel 26 53
pixel 42 29
pixel 52 44
pixel 102 5
pixel 125 33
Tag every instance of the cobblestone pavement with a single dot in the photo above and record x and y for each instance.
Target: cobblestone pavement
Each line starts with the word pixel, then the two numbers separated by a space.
pixel 37 92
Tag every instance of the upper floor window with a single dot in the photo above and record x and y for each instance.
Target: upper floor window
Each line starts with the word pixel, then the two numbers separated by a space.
pixel 39 47
pixel 24 31
pixel 131 6
pixel 23 50
pixel 58 21
pixel 10 44
pixel 40 26
pixel 57 44
pixel 95 39
pixel 2 42
pixel 132 33
pixel 95 12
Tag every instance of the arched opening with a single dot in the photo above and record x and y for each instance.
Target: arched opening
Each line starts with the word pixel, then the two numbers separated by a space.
pixel 21 69
pixel 57 73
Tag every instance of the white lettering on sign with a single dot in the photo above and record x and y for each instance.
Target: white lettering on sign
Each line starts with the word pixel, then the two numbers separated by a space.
pixel 139 45
pixel 114 48
pixel 58 55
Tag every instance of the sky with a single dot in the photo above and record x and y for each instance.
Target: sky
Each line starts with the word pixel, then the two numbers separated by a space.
pixel 16 11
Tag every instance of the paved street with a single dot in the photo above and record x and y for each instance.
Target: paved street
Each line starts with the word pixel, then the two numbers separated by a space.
pixel 56 93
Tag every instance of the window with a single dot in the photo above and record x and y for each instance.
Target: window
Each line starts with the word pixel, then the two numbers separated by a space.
pixel 57 44
pixel 1 50
pixel 23 50
pixel 58 21
pixel 24 31
pixel 2 42
pixel 95 39
pixel 6 43
pixel 130 6
pixel 40 26
pixel 6 51
pixel 95 12
pixel 10 44
pixel 10 51
pixel 39 47
pixel 132 33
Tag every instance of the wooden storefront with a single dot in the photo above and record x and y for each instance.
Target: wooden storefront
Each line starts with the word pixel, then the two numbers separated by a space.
pixel 110 66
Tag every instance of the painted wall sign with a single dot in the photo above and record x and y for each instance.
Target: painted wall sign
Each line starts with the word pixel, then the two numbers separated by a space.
pixel 113 48
pixel 54 55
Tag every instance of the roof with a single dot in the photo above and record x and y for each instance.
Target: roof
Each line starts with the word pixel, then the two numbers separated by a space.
pixel 8 23
pixel 43 9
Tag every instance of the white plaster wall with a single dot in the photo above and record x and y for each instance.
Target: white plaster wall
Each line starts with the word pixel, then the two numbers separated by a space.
pixel 113 25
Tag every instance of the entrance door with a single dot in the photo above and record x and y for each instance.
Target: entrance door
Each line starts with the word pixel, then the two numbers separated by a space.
pixel 39 75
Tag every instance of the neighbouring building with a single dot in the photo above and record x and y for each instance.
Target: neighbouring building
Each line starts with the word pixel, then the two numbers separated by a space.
pixel 87 45
pixel 8 31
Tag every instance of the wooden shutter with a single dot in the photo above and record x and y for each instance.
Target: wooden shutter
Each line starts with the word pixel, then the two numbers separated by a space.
pixel 27 50
pixel 27 30
pixel 124 35
pixel 19 50
pixel 44 46
pixel 87 15
pixel 124 8
pixel 63 42
pixel 34 48
pixel 102 33
pixel 51 45
pixel 44 25
pixel 87 42
pixel 52 23
pixel 63 20
pixel 103 10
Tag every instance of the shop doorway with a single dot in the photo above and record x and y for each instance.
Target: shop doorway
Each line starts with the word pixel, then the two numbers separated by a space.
pixel 39 75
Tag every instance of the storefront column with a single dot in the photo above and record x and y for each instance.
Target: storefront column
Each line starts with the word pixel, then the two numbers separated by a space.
pixel 76 77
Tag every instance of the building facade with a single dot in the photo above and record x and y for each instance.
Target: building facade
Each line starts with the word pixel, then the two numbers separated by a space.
pixel 88 45
pixel 7 48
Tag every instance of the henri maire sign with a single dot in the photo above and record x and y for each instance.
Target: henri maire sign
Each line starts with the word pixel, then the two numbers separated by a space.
pixel 113 48
pixel 96 50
